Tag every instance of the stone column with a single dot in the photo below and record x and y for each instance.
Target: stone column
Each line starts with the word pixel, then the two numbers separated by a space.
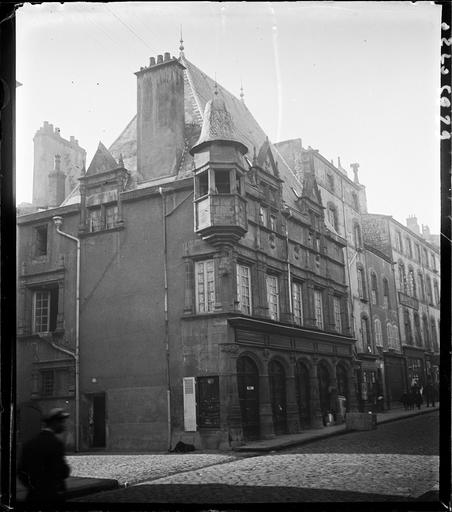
pixel 293 417
pixel 265 406
pixel 261 308
pixel 316 413
pixel 229 395
pixel 330 309
pixel 310 315
pixel 334 401
pixel 189 285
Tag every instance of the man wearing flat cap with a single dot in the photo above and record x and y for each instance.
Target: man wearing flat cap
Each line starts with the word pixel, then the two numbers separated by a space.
pixel 43 468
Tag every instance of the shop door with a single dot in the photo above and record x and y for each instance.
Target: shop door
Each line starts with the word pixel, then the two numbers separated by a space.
pixel 248 388
pixel 97 420
pixel 277 377
pixel 303 395
pixel 342 384
pixel 324 384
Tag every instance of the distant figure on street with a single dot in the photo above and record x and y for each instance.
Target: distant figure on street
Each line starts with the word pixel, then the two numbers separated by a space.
pixel 42 467
pixel 417 397
pixel 405 401
pixel 429 394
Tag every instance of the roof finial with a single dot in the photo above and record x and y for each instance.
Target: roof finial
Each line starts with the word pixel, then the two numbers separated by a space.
pixel 120 160
pixel 242 96
pixel 181 47
pixel 215 89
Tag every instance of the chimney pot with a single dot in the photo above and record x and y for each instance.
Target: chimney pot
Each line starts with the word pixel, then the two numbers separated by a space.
pixel 159 59
pixel 167 56
pixel 152 61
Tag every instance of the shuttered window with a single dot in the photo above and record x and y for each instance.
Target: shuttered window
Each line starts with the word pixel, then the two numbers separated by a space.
pixel 297 303
pixel 337 314
pixel 318 303
pixel 189 404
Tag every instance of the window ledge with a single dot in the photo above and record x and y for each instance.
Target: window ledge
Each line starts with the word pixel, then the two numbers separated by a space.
pixel 85 234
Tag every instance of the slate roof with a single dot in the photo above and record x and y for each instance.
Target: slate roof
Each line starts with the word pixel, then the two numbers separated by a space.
pixel 198 91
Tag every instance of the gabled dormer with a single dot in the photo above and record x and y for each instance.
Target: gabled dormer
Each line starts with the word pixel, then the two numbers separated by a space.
pixel 219 177
pixel 100 189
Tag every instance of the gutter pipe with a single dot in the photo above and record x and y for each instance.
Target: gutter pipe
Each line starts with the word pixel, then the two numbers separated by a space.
pixel 58 221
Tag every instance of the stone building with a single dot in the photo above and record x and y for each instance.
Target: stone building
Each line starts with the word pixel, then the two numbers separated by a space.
pixel 345 201
pixel 212 291
pixel 58 163
pixel 417 278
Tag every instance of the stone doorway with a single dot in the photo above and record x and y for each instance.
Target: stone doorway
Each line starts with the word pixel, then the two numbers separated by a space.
pixel 277 377
pixel 248 389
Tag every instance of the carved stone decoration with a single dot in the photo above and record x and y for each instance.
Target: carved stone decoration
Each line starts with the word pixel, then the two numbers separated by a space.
pixel 230 348
pixel 271 239
pixel 266 353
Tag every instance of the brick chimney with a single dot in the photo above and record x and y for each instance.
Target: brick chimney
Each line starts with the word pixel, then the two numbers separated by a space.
pixel 57 182
pixel 411 223
pixel 160 117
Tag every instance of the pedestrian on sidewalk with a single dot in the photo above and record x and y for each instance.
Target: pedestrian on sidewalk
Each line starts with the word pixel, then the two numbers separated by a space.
pixel 42 467
pixel 417 397
pixel 429 394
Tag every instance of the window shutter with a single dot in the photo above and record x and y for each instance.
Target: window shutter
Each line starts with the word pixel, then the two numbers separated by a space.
pixel 189 404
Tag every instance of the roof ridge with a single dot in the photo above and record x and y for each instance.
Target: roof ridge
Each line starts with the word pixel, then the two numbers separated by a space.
pixel 192 89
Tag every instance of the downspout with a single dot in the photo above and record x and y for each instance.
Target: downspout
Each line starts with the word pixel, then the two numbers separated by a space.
pixel 289 274
pixel 165 309
pixel 58 222
pixel 165 284
pixel 352 314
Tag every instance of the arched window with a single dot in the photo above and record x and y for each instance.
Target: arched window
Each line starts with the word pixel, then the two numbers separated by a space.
pixel 390 335
pixel 332 216
pixel 374 288
pixel 395 335
pixel 378 333
pixel 434 335
pixel 386 302
pixel 402 277
pixel 417 329
pixel 361 284
pixel 436 289
pixel 426 333
pixel 421 286
pixel 407 323
pixel 357 235
pixel 429 290
pixel 411 283
pixel 367 347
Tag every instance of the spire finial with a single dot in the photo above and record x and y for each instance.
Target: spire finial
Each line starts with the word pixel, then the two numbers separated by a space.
pixel 181 47
pixel 242 95
pixel 215 89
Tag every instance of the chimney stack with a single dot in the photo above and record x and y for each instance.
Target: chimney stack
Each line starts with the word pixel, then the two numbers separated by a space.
pixel 412 224
pixel 160 117
pixel 57 182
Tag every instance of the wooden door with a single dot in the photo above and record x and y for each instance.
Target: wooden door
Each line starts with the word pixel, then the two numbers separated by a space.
pixel 277 377
pixel 248 388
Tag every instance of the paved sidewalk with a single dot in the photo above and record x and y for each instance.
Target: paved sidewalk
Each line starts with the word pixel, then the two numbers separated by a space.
pixel 76 487
pixel 308 436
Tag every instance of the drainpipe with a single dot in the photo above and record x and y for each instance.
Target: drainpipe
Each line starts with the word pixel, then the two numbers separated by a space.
pixel 289 275
pixel 58 221
pixel 165 281
pixel 166 214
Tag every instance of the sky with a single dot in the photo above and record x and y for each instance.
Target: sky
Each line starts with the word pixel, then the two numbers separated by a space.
pixel 355 80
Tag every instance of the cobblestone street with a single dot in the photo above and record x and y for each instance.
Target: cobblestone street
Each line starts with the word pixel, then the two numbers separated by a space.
pixel 350 467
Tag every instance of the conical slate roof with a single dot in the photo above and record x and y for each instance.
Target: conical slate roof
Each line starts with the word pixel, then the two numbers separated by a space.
pixel 218 125
pixel 198 91
pixel 102 161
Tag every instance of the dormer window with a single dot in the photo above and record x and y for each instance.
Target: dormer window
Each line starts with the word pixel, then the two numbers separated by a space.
pixel 102 217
